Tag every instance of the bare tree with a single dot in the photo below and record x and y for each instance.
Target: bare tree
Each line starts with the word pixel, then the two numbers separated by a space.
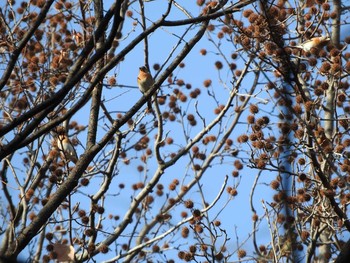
pixel 89 173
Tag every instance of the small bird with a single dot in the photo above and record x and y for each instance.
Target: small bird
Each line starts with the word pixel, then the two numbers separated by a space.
pixel 145 81
pixel 315 42
pixel 67 149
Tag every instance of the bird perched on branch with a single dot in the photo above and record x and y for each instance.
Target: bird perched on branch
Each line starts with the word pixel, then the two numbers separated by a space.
pixel 66 148
pixel 145 82
pixel 315 42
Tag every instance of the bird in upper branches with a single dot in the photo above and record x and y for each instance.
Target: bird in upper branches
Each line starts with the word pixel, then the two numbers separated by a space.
pixel 66 148
pixel 315 42
pixel 145 82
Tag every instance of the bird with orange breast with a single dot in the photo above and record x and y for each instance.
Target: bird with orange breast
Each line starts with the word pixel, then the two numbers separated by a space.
pixel 66 148
pixel 145 82
pixel 315 42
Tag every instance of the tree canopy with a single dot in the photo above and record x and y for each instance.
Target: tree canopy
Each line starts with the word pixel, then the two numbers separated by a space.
pixel 235 149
